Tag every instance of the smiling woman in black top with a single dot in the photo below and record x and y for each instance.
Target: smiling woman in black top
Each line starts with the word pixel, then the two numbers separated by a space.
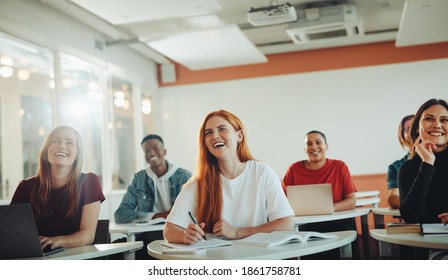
pixel 423 179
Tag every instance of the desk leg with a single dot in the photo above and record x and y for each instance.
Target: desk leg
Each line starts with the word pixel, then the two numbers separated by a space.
pixel 378 220
pixel 131 254
pixel 385 249
pixel 365 236
pixel 346 251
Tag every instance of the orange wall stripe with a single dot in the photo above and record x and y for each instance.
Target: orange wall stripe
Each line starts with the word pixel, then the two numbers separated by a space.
pixel 314 60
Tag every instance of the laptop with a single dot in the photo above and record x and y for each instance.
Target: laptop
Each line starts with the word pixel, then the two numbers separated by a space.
pixel 19 237
pixel 313 199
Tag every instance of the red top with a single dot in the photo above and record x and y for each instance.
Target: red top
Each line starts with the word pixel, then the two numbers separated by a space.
pixel 334 172
pixel 55 223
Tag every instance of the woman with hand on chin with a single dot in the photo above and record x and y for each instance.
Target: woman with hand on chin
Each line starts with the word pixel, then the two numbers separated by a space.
pixel 423 179
pixel 65 201
pixel 232 195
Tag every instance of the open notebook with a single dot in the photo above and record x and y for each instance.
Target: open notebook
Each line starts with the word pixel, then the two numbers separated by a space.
pixel 18 235
pixel 203 244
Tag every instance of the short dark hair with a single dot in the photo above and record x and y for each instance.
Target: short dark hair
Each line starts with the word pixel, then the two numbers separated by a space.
pixel 318 132
pixel 152 136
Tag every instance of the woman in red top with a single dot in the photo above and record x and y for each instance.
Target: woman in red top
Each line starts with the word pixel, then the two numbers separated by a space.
pixel 319 170
pixel 65 201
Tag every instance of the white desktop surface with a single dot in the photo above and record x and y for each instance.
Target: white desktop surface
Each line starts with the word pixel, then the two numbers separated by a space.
pixel 131 229
pixel 412 239
pixel 386 212
pixel 299 220
pixel 241 252
pixel 92 251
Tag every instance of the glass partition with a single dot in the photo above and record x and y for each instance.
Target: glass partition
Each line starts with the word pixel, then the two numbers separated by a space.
pixel 26 114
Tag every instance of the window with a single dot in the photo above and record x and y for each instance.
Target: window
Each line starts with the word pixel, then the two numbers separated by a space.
pixel 123 132
pixel 26 115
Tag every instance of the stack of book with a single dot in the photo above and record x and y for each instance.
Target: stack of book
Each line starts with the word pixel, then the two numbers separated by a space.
pixel 401 227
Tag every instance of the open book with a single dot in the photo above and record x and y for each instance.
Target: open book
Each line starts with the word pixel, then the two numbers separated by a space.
pixel 155 221
pixel 437 228
pixel 277 238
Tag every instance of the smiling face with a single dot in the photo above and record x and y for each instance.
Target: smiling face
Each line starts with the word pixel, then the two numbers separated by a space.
pixel 315 147
pixel 433 125
pixel 221 138
pixel 63 148
pixel 154 152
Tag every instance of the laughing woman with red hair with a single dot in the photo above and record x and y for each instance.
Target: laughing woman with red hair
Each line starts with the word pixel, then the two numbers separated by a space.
pixel 232 195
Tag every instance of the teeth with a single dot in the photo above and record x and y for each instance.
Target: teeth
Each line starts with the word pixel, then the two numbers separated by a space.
pixel 435 133
pixel 153 158
pixel 218 145
pixel 60 155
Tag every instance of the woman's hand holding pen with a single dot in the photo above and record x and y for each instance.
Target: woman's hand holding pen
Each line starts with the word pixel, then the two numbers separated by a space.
pixel 193 233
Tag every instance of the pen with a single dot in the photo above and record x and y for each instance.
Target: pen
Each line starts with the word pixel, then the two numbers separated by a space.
pixel 194 221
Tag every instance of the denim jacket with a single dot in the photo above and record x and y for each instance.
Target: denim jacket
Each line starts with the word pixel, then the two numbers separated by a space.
pixel 140 196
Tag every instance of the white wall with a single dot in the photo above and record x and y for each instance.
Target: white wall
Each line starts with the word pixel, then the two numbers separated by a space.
pixel 358 109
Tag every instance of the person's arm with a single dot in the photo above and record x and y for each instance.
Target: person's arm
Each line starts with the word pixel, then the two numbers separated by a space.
pixel 288 179
pixel 413 184
pixel 224 229
pixel 128 211
pixel 348 203
pixel 177 234
pixel 393 198
pixel 86 233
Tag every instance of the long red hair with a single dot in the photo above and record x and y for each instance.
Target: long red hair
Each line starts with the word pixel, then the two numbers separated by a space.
pixel 208 174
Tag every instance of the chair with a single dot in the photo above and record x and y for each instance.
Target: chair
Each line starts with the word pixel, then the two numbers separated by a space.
pixel 102 232
pixel 102 235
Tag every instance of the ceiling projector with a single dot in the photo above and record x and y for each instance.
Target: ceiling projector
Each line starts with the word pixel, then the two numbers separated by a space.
pixel 274 14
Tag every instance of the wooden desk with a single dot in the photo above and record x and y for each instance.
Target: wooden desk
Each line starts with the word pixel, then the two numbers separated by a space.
pixel 130 230
pixel 412 239
pixel 241 252
pixel 358 212
pixel 94 251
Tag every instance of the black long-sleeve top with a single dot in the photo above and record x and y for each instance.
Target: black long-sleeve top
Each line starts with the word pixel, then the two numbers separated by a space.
pixel 424 189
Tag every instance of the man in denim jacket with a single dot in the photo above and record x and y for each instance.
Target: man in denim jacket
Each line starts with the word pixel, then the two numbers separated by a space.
pixel 153 190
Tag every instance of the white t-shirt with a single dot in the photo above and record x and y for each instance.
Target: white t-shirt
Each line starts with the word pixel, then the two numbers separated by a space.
pixel 251 199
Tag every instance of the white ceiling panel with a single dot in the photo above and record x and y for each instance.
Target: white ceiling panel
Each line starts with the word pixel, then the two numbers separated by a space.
pixel 214 48
pixel 423 22
pixel 130 11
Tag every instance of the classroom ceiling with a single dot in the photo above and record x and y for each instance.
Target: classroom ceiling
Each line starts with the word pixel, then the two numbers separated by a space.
pixel 206 34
